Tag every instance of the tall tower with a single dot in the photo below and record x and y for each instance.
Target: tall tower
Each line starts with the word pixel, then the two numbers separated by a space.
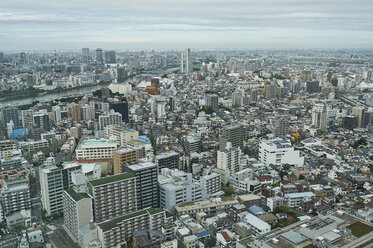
pixel 99 56
pixel 186 61
pixel 319 116
pixel 85 53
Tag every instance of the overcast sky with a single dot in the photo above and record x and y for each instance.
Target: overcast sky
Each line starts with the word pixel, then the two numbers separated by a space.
pixel 144 24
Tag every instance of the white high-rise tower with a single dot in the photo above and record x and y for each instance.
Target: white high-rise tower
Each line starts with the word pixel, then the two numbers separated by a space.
pixel 186 61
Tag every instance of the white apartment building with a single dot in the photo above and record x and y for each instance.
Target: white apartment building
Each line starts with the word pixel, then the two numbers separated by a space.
pixel 6 148
pixel 95 148
pixel 278 152
pixel 258 226
pixel 229 158
pixel 211 183
pixel 121 134
pixel 319 119
pixel 274 202
pixel 293 200
pixel 177 187
pixel 113 118
pixel 53 181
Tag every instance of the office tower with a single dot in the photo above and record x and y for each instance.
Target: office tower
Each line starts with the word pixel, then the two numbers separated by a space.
pixel 85 55
pixel 121 107
pixel 27 119
pixel 368 119
pixel 229 158
pixel 113 118
pixel 8 114
pixel 110 57
pixel 278 152
pixel 113 196
pixel 350 122
pixel 22 58
pixel 15 198
pixel 213 101
pixel 121 74
pixel 281 128
pixel 115 232
pixel 123 156
pixel 319 116
pixel 95 148
pixel 77 206
pixel 359 111
pixel 53 181
pixel 234 134
pixel 56 114
pixel 176 187
pixel 146 175
pixel 168 160
pixel 186 61
pixel 313 87
pixel 341 81
pixel 270 90
pixel 99 56
pixel 41 120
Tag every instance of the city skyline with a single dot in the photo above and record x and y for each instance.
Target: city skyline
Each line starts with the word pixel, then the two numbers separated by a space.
pixel 43 25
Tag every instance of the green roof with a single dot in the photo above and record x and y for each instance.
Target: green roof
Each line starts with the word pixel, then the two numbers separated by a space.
pixel 76 196
pixel 108 225
pixel 111 179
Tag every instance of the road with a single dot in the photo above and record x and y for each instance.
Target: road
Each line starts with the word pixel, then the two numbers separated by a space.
pixel 56 241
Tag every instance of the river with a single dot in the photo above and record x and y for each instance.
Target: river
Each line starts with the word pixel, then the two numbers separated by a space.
pixel 78 91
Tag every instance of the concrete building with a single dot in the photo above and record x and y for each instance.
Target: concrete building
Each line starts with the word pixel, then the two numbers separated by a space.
pixel 116 232
pixel 258 227
pixel 122 135
pixel 186 64
pixel 319 116
pixel 6 148
pixel 123 156
pixel 53 181
pixel 113 118
pixel 113 196
pixel 146 175
pixel 56 114
pixel 212 101
pixel 293 199
pixel 210 183
pixel 9 114
pixel 235 134
pixel 229 158
pixel 15 198
pixel 89 148
pixel 281 128
pixel 211 206
pixel 168 160
pixel 77 206
pixel 279 152
pixel 350 122
pixel 359 112
pixel 110 57
pixel 177 187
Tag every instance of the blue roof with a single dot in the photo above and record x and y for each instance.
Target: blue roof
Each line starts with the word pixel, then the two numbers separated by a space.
pixel 256 209
pixel 202 234
pixel 144 139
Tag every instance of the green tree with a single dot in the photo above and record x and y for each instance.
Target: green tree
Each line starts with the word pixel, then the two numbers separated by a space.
pixel 229 192
pixel 211 242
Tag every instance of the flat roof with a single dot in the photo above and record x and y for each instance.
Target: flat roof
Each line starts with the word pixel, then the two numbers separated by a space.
pixel 294 237
pixel 111 179
pixel 76 196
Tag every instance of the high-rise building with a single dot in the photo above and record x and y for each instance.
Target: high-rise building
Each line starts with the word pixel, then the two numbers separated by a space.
pixel 146 184
pixel 95 148
pixel 313 86
pixel 270 90
pixel 87 112
pixel 53 181
pixel 113 118
pixel 56 114
pixel 15 198
pixel 368 119
pixel 123 156
pixel 210 183
pixel 168 160
pixel 186 61
pixel 235 134
pixel 229 158
pixel 85 55
pixel 319 114
pixel 213 101
pixel 121 107
pixel 359 112
pixel 237 98
pixel 77 206
pixel 350 122
pixel 99 56
pixel 8 114
pixel 110 57
pixel 41 120
pixel 113 196
pixel 281 128
pixel 22 58
pixel 75 112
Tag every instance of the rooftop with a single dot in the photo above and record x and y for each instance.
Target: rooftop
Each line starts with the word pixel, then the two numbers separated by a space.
pixel 111 179
pixel 76 196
